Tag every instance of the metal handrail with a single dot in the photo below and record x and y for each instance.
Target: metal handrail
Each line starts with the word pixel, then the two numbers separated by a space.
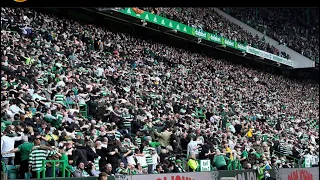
pixel 54 162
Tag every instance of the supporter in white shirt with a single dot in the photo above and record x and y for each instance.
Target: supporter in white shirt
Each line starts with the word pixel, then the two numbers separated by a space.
pixel 16 109
pixel 312 138
pixel 99 71
pixel 193 146
pixel 308 158
pixel 130 159
pixel 155 159
pixel 231 143
pixel 61 84
pixel 7 144
pixel 104 143
pixel 141 158
pixel 231 127
pixel 315 160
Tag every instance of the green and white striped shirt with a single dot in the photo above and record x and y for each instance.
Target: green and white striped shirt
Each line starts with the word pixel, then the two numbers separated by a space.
pixel 96 163
pixel 118 135
pixel 59 98
pixel 126 124
pixel 132 147
pixel 148 155
pixel 138 141
pixel 37 156
pixel 40 81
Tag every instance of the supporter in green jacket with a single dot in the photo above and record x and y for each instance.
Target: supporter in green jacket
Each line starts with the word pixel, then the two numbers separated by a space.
pixel 219 161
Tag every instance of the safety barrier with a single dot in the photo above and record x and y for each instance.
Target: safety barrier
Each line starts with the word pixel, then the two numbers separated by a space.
pixel 54 163
pixel 278 174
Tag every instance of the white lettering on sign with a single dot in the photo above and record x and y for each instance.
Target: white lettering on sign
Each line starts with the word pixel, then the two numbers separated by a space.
pixel 162 22
pixel 185 29
pixel 215 38
pixel 200 33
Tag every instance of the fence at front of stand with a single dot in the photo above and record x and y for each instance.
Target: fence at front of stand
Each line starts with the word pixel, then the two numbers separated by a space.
pixel 279 174
pixel 61 163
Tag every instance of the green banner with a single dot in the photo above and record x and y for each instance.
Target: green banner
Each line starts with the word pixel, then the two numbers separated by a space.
pixel 229 43
pixel 240 47
pixel 160 21
pixel 148 17
pixel 217 39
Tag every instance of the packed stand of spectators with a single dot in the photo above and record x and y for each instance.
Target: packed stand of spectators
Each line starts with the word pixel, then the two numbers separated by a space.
pixel 289 26
pixel 208 20
pixel 150 106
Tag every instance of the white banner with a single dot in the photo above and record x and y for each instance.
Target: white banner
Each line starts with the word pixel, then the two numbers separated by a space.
pixel 298 174
pixel 269 56
pixel 174 176
pixel 205 165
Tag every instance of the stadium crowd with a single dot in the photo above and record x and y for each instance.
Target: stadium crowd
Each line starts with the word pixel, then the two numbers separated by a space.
pixel 291 27
pixel 208 20
pixel 150 106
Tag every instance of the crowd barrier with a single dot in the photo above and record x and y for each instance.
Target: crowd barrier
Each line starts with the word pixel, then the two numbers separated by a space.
pixel 279 174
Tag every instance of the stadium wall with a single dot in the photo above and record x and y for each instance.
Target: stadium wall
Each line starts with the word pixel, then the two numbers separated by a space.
pixel 279 174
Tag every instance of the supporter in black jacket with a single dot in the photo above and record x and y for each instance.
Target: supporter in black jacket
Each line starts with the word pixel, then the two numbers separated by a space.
pixel 79 155
pixel 113 155
pixel 91 155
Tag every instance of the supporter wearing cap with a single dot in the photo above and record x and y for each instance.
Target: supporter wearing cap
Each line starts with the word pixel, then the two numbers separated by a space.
pixel 178 167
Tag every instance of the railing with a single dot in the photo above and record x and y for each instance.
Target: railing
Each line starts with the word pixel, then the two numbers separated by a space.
pixel 234 165
pixel 54 162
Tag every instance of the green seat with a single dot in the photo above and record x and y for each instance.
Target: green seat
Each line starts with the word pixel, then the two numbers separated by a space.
pixel 83 110
pixel 69 104
pixel 12 172
pixel 27 175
